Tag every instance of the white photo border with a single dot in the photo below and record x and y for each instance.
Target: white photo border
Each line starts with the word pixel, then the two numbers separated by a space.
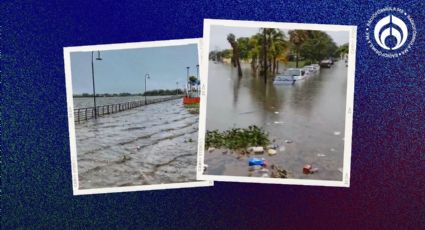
pixel 71 124
pixel 352 30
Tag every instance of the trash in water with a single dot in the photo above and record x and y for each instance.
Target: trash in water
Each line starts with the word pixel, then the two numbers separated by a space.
pixel 340 169
pixel 272 152
pixel 278 172
pixel 255 168
pixel 210 149
pixel 282 148
pixel 225 152
pixel 332 149
pixel 276 112
pixel 321 155
pixel 256 149
pixel 265 175
pixel 255 161
pixel 288 141
pixel 278 122
pixel 138 147
pixel 264 170
pixel 205 167
pixel 274 146
pixel 307 169
pixel 337 133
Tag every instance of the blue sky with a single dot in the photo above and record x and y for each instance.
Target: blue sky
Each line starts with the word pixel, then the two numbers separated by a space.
pixel 124 70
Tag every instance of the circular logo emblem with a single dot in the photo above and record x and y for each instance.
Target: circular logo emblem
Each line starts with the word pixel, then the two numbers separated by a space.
pixel 390 32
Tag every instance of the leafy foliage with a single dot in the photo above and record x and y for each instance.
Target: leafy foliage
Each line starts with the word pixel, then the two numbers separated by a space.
pixel 237 138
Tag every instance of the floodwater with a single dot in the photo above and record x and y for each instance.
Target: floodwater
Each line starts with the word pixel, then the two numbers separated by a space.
pixel 309 114
pixel 84 102
pixel 151 144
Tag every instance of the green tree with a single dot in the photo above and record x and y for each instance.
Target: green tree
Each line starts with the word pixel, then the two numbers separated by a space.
pixel 236 55
pixel 297 39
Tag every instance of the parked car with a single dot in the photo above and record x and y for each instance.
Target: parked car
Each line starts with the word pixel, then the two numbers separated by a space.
pixel 290 76
pixel 310 70
pixel 316 67
pixel 326 63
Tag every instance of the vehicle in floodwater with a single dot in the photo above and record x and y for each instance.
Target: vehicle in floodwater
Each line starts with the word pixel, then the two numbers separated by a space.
pixel 310 70
pixel 290 76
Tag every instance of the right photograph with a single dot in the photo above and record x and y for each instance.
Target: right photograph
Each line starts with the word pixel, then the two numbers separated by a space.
pixel 277 102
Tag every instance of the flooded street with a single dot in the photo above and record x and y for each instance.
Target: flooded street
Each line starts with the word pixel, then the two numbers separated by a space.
pixel 151 144
pixel 306 120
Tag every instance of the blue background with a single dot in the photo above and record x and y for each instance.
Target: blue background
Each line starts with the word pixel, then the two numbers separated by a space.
pixel 388 154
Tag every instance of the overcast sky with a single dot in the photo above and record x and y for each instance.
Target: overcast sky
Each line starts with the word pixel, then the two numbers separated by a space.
pixel 218 35
pixel 124 70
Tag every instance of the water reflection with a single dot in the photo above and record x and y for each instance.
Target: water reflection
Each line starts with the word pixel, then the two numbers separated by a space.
pixel 309 112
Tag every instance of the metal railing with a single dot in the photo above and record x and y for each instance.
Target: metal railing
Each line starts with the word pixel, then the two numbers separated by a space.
pixel 84 114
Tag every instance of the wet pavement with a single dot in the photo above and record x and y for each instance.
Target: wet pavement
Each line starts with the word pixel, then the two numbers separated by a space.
pixel 152 144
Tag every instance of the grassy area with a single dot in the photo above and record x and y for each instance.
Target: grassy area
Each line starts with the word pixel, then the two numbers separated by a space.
pixel 237 138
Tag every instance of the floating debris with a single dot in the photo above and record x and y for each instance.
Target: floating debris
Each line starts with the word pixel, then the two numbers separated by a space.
pixel 333 150
pixel 278 172
pixel 255 161
pixel 256 149
pixel 337 133
pixel 276 112
pixel 225 152
pixel 340 170
pixel 210 149
pixel 321 155
pixel 289 141
pixel 271 152
pixel 205 167
pixel 138 147
pixel 124 159
pixel 308 169
pixel 278 122
pixel 282 148
pixel 274 146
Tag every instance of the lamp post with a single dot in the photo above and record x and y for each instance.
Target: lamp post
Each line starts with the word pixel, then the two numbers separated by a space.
pixel 197 72
pixel 94 87
pixel 147 76
pixel 187 80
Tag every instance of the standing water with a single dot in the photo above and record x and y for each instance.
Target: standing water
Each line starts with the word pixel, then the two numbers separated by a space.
pixel 151 144
pixel 306 120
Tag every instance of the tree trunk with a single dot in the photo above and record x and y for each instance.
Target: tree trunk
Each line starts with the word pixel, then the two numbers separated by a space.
pixel 298 54
pixel 238 63
pixel 235 58
pixel 277 66
pixel 264 56
pixel 254 65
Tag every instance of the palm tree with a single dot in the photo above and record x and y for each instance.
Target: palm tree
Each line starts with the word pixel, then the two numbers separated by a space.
pixel 278 47
pixel 235 58
pixel 297 38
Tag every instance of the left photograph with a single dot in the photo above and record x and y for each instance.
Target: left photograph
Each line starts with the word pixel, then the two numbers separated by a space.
pixel 133 115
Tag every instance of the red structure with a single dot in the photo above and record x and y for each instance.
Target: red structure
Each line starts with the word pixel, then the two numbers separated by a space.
pixel 191 100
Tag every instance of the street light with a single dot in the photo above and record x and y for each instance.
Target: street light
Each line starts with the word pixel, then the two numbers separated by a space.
pixel 197 72
pixel 147 76
pixel 92 74
pixel 187 79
